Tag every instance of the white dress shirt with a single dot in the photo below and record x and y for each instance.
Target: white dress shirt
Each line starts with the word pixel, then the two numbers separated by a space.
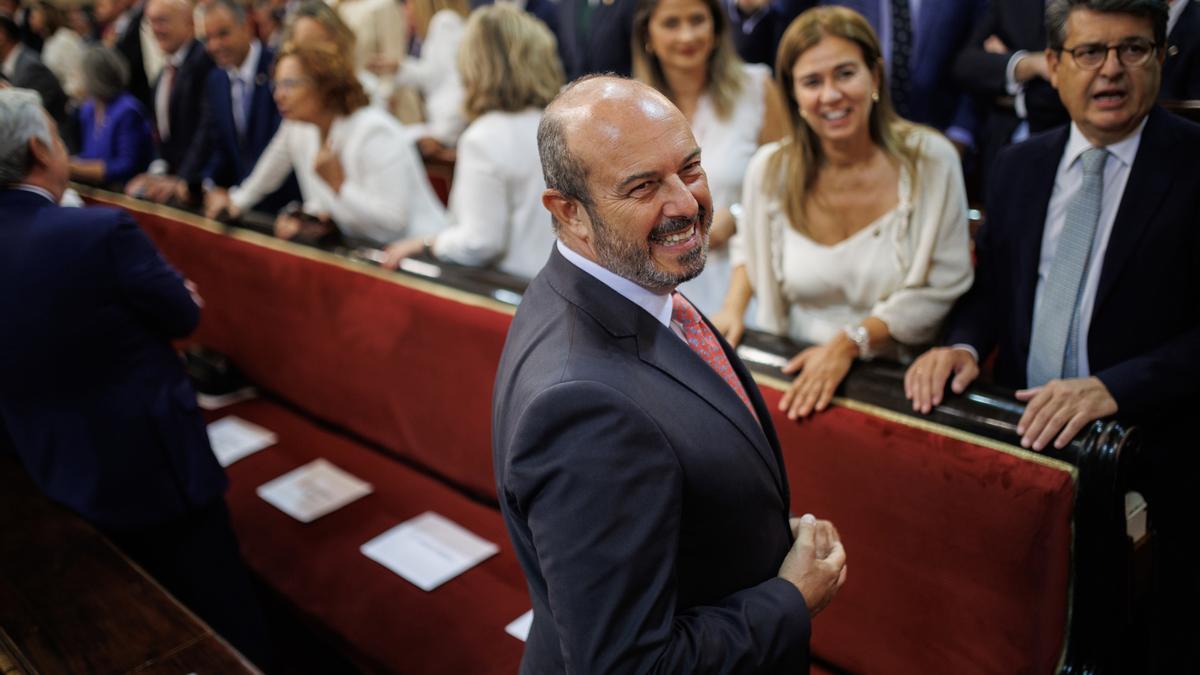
pixel 162 92
pixel 496 198
pixel 1067 182
pixel 9 66
pixel 386 193
pixel 241 85
pixel 1173 14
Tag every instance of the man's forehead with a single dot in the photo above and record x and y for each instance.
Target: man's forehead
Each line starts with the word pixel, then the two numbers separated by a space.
pixel 1085 23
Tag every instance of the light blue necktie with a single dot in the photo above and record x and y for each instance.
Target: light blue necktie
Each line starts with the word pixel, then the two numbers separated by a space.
pixel 1052 348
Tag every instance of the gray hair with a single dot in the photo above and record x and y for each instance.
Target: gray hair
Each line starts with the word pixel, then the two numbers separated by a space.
pixel 235 9
pixel 1057 12
pixel 562 170
pixel 105 73
pixel 22 118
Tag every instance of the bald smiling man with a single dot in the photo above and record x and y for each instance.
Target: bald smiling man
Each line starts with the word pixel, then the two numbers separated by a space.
pixel 638 472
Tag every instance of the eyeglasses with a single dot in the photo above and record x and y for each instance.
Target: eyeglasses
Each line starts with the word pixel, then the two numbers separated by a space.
pixel 1132 53
pixel 288 83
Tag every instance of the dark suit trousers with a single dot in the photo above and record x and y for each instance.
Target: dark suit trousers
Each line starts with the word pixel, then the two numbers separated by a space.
pixel 197 559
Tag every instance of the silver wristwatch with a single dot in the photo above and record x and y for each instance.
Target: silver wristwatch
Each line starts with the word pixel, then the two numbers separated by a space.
pixel 861 338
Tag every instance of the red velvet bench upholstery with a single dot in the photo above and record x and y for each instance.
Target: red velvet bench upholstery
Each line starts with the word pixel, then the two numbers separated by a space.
pixel 960 544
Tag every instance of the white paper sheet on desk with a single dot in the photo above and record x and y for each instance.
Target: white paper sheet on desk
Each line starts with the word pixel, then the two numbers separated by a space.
pixel 429 550
pixel 233 438
pixel 313 490
pixel 520 626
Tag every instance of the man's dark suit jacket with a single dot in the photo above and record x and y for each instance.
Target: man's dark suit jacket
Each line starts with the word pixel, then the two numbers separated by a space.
pixel 31 73
pixel 230 158
pixel 94 399
pixel 186 146
pixel 1181 72
pixel 647 506
pixel 1144 335
pixel 1020 24
pixel 129 44
pixel 604 48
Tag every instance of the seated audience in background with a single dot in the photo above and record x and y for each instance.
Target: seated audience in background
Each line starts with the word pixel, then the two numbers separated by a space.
pixel 594 37
pixel 21 66
pixel 81 20
pixel 854 237
pixel 62 47
pixel 380 28
pixel 1088 282
pixel 178 100
pixel 93 398
pixel 439 25
pixel 510 71
pixel 354 162
pixel 1003 65
pixel 238 116
pixel 1181 71
pixel 682 49
pixel 268 17
pixel 314 21
pixel 116 139
pixel 123 27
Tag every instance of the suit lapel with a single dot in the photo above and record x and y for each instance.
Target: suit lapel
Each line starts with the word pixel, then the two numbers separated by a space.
pixel 1150 179
pixel 658 346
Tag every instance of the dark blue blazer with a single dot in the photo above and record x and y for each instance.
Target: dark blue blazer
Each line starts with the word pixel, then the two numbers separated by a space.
pixel 1181 72
pixel 186 147
pixel 231 158
pixel 604 47
pixel 1144 336
pixel 125 141
pixel 94 399
pixel 646 504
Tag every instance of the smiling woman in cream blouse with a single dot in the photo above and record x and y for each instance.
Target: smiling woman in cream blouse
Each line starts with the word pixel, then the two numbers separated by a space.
pixel 854 237
pixel 354 162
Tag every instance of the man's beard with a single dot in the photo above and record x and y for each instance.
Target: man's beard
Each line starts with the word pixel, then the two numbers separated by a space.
pixel 631 259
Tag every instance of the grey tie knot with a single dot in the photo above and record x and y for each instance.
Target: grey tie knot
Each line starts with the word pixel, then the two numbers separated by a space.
pixel 1093 161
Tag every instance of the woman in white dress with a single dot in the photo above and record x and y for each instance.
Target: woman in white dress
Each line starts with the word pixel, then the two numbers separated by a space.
pixel 683 49
pixel 510 71
pixel 353 161
pixel 854 237
pixel 439 24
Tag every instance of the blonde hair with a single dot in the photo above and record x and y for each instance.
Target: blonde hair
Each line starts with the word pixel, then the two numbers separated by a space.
pixel 799 160
pixel 508 61
pixel 724 67
pixel 423 11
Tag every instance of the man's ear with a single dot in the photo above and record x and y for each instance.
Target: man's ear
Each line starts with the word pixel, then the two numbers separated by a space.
pixel 1053 58
pixel 39 154
pixel 568 212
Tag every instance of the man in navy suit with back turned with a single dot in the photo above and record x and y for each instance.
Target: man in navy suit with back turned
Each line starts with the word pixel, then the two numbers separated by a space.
pixel 94 399
pixel 1088 278
pixel 637 469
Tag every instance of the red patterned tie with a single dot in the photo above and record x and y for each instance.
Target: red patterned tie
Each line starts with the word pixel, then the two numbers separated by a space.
pixel 702 341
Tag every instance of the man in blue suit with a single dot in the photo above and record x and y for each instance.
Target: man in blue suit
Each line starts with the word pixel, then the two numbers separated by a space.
pixel 239 116
pixel 638 472
pixel 593 36
pixel 1088 275
pixel 94 399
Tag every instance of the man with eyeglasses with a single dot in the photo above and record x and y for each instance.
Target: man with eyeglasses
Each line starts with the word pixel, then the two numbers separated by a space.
pixel 1088 279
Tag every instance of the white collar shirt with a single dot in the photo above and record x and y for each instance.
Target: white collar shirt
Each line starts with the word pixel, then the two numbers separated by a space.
pixel 41 192
pixel 1174 13
pixel 1067 181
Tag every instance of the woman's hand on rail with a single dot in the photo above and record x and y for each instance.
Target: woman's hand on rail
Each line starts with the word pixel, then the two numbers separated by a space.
pixel 729 323
pixel 399 250
pixel 821 369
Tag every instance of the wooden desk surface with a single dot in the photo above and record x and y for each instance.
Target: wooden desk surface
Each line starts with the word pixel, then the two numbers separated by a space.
pixel 71 602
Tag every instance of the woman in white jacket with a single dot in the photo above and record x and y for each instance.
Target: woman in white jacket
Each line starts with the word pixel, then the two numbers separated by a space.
pixel 510 69
pixel 354 162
